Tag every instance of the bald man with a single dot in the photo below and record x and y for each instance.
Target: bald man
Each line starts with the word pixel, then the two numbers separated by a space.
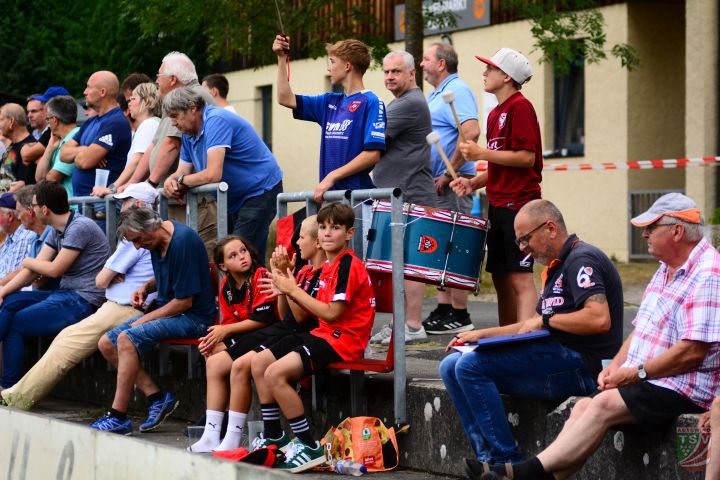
pixel 16 169
pixel 102 142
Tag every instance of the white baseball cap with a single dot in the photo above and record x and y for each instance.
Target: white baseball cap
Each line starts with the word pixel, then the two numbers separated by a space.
pixel 511 62
pixel 139 191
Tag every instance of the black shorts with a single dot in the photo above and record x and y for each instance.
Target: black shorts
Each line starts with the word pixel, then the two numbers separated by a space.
pixel 504 256
pixel 315 352
pixel 242 343
pixel 655 408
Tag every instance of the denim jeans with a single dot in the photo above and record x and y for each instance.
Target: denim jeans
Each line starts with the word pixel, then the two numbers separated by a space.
pixel 146 335
pixel 253 219
pixel 543 371
pixel 37 313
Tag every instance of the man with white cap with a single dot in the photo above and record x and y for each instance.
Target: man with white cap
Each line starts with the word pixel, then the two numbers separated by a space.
pixel 125 271
pixel 514 153
pixel 668 365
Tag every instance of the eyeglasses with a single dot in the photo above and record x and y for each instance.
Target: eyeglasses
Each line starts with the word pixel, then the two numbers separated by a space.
pixel 651 228
pixel 33 205
pixel 163 75
pixel 525 239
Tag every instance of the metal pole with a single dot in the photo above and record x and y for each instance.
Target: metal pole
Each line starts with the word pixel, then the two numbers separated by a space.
pixel 192 209
pixel 111 221
pixel 222 210
pixel 397 229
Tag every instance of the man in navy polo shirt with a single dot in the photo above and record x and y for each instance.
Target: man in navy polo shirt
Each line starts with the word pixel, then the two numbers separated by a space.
pixel 102 142
pixel 218 145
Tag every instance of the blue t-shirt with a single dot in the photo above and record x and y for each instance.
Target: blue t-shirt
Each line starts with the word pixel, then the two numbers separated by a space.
pixel 443 121
pixel 112 132
pixel 350 125
pixel 249 169
pixel 184 272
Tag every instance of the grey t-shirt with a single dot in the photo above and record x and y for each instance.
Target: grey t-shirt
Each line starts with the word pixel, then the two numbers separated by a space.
pixel 84 235
pixel 406 162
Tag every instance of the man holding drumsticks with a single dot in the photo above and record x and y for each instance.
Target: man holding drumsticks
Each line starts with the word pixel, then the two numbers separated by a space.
pixel 514 153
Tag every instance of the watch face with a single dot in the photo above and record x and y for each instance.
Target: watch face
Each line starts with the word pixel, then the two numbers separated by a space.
pixel 642 373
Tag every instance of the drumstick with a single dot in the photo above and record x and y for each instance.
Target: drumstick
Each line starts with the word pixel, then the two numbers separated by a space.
pixel 434 138
pixel 449 97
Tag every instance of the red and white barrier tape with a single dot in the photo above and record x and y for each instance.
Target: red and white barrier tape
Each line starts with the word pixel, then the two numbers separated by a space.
pixel 635 165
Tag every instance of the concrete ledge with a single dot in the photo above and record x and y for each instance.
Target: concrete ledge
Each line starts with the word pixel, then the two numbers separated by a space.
pixel 41 447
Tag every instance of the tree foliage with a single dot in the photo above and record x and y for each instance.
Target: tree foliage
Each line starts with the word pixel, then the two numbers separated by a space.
pixel 569 31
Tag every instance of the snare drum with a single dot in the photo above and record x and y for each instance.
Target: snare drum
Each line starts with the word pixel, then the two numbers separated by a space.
pixel 441 247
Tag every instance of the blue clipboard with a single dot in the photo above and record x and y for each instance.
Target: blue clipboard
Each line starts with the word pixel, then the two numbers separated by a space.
pixel 494 342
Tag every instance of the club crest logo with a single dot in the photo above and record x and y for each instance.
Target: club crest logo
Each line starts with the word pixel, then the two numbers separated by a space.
pixel 691 448
pixel 427 244
pixel 503 117
pixel 584 277
pixel 366 433
pixel 558 285
pixel 354 105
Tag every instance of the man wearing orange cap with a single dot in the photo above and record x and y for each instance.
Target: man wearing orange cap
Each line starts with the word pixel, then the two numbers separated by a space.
pixel 668 365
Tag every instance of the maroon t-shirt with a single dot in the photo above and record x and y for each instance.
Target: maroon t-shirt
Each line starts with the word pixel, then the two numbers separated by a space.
pixel 513 125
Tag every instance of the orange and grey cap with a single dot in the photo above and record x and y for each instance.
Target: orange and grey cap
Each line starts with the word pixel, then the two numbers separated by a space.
pixel 671 205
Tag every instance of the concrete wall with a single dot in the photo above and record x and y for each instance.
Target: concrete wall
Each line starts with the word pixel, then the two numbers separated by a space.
pixel 38 447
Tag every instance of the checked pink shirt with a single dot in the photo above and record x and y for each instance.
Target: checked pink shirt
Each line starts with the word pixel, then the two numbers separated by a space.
pixel 686 308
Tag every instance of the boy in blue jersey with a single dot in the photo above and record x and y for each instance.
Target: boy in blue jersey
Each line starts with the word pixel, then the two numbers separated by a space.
pixel 353 121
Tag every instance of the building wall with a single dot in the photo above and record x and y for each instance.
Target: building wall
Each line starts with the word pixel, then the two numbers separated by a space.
pixel 642 115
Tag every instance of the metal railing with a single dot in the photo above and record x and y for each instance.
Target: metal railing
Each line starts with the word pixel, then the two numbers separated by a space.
pixel 193 198
pixel 355 199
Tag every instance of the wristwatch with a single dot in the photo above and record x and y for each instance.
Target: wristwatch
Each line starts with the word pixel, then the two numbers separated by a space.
pixel 180 180
pixel 546 319
pixel 642 373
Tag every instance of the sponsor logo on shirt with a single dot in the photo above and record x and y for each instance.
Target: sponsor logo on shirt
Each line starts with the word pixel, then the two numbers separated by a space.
pixel 584 279
pixel 262 308
pixel 378 135
pixel 332 107
pixel 354 105
pixel 106 139
pixel 550 302
pixel 495 143
pixel 503 117
pixel 379 124
pixel 337 129
pixel 558 285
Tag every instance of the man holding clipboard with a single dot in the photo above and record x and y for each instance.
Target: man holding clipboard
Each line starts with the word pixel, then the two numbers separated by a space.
pixel 582 309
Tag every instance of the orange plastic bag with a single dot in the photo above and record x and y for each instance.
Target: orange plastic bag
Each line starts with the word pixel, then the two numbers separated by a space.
pixel 365 440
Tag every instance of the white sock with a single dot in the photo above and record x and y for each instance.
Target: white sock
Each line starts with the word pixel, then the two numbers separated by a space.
pixel 235 429
pixel 211 436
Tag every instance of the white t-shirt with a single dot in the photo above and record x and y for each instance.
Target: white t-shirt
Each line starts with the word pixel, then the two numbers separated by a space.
pixel 143 136
pixel 230 108
pixel 134 264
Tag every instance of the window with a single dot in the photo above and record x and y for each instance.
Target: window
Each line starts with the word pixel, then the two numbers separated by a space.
pixel 266 105
pixel 570 111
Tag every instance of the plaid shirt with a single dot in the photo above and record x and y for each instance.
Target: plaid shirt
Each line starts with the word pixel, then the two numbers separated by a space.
pixel 686 308
pixel 15 249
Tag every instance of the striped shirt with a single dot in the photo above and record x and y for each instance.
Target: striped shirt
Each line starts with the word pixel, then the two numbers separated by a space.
pixel 15 249
pixel 685 308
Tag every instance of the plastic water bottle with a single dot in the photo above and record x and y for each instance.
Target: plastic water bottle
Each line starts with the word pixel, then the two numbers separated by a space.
pixel 348 467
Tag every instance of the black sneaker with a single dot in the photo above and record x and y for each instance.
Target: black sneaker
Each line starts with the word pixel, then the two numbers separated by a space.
pixel 451 323
pixel 434 317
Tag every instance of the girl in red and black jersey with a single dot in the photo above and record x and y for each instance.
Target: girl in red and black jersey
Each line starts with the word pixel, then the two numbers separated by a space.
pixel 244 309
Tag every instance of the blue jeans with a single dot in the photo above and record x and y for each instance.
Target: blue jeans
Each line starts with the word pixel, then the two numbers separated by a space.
pixel 253 219
pixel 38 313
pixel 542 371
pixel 146 335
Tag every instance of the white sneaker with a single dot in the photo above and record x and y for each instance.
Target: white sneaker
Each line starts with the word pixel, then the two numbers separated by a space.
pixel 410 336
pixel 384 333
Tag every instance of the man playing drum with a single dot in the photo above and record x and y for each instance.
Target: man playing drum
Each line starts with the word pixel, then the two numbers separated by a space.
pixel 514 153
pixel 582 308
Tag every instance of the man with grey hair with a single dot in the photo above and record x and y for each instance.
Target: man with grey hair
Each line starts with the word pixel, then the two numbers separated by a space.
pixel 124 272
pixel 406 164
pixel 102 142
pixel 668 365
pixel 185 308
pixel 581 309
pixel 218 145
pixel 18 238
pixel 61 116
pixel 440 68
pixel 16 170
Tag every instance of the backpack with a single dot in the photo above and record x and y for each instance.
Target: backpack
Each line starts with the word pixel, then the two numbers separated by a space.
pixel 365 440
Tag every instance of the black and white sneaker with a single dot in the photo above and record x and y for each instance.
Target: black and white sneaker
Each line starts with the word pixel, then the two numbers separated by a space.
pixel 451 323
pixel 434 317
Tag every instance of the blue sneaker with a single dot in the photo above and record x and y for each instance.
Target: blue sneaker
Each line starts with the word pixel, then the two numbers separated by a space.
pixel 108 423
pixel 159 411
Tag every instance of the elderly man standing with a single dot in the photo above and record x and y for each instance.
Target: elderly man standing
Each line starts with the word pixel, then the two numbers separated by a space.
pixel 581 307
pixel 218 145
pixel 406 164
pixel 440 67
pixel 668 365
pixel 102 142
pixel 16 169
pixel 185 309
pixel 124 272
pixel 18 238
